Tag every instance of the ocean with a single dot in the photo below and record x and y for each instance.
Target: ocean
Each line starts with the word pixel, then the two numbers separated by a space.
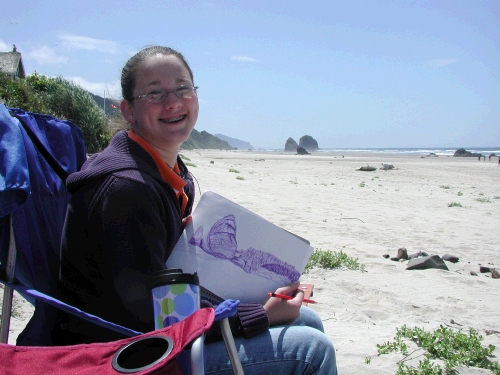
pixel 415 151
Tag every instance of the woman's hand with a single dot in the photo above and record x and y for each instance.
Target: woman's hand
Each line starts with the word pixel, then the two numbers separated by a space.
pixel 281 311
pixel 186 221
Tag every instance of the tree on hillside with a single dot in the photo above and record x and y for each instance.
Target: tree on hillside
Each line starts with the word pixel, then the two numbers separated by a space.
pixel 204 140
pixel 62 99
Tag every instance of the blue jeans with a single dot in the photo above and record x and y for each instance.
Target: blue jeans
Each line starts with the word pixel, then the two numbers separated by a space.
pixel 300 348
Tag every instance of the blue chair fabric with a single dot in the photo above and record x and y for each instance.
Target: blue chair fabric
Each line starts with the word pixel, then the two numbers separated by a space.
pixel 37 153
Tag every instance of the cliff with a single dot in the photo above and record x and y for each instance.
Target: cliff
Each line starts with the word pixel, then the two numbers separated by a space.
pixel 235 143
pixel 204 140
pixel 309 143
pixel 291 145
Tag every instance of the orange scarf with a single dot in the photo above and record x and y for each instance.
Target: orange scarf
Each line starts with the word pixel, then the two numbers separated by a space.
pixel 170 175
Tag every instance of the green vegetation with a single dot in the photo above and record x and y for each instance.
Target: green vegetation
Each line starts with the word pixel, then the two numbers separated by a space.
pixel 63 99
pixel 60 98
pixel 454 348
pixel 332 259
pixel 454 204
pixel 184 157
pixel 188 164
pixel 460 193
pixel 362 184
pixel 234 170
pixel 204 140
pixel 484 200
pixel 240 177
pixel 444 187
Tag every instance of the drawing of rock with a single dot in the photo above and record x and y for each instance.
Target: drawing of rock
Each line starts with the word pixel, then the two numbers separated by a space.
pixel 221 243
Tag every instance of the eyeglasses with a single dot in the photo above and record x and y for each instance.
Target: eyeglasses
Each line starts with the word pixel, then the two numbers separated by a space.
pixel 158 96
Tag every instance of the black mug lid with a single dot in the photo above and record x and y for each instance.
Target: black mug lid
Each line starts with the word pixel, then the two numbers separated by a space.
pixel 173 276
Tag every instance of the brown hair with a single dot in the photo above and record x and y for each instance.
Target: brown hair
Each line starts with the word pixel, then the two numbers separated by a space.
pixel 128 79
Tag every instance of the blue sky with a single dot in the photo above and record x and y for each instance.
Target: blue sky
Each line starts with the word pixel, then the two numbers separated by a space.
pixel 349 73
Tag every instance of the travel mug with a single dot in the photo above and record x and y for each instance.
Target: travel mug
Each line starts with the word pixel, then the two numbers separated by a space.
pixel 176 295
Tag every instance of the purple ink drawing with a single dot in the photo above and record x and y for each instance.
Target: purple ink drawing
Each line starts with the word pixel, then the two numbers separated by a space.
pixel 221 243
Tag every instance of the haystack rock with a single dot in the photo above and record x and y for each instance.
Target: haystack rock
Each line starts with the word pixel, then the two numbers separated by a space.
pixel 291 145
pixel 309 143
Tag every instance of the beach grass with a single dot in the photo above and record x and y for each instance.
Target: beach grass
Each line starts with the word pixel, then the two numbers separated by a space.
pixel 453 347
pixel 332 259
pixel 483 200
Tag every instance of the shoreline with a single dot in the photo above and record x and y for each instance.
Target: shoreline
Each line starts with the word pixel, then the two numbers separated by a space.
pixel 353 153
pixel 422 151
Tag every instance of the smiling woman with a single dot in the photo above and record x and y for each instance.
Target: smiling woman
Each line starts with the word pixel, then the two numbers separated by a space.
pixel 129 205
pixel 164 121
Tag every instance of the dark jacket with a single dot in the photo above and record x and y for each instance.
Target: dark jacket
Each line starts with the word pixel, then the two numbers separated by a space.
pixel 122 223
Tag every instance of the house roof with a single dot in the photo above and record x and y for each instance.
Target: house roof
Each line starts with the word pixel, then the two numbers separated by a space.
pixel 12 63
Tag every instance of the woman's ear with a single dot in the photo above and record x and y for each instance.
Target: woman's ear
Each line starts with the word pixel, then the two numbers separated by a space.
pixel 127 111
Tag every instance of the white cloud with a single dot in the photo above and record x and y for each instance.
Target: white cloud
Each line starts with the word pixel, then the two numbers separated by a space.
pixel 113 89
pixel 91 44
pixel 244 59
pixel 46 55
pixel 439 63
pixel 4 47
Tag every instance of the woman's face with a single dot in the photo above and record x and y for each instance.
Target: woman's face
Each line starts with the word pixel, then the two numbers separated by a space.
pixel 167 124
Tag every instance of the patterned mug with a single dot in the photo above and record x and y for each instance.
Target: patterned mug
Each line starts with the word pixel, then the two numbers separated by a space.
pixel 176 295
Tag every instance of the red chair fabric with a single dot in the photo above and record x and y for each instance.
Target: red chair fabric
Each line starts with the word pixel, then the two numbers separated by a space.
pixel 97 358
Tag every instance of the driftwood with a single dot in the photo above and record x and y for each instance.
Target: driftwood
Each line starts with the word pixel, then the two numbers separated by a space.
pixel 350 218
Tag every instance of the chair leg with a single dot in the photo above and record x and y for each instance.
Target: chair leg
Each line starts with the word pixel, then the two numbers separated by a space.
pixel 6 311
pixel 231 347
pixel 8 291
pixel 197 356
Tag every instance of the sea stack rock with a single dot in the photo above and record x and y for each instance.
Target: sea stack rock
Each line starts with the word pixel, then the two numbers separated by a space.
pixel 464 152
pixel 291 145
pixel 309 143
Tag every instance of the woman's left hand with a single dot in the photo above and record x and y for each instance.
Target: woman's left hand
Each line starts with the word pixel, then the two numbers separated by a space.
pixel 186 221
pixel 281 311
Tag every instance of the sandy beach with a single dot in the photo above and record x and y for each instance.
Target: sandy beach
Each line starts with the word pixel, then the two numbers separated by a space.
pixel 322 197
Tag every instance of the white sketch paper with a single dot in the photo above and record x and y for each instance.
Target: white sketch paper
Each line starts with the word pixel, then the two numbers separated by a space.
pixel 237 253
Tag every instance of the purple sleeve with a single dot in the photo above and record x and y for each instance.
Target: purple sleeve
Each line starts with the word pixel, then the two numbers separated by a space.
pixel 250 320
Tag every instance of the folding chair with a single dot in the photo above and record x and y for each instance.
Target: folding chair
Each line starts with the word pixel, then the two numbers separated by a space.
pixel 37 152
